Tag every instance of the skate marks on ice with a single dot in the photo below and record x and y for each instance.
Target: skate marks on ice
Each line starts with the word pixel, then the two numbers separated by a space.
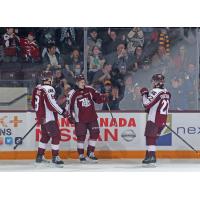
pixel 104 165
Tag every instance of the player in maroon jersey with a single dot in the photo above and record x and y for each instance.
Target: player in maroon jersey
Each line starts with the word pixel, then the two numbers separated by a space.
pixel 157 103
pixel 81 112
pixel 47 111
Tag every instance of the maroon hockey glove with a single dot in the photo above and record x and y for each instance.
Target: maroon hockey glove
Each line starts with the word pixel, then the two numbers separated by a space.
pixel 64 113
pixel 71 120
pixel 104 98
pixel 144 91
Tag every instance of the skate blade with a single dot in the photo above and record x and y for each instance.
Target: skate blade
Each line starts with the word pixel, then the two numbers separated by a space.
pixel 150 165
pixel 42 165
pixel 84 162
pixel 53 165
pixel 92 161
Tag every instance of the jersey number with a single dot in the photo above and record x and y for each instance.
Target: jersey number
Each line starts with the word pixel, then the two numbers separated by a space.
pixel 164 108
pixel 37 100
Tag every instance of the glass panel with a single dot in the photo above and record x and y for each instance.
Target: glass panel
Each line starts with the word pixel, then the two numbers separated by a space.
pixel 122 60
pixel 117 61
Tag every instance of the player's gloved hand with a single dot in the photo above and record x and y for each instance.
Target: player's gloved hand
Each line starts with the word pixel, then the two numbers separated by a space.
pixel 104 98
pixel 64 113
pixel 144 91
pixel 71 120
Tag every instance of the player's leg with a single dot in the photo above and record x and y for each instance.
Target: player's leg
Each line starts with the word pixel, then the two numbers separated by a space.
pixel 81 131
pixel 42 145
pixel 94 134
pixel 151 134
pixel 54 133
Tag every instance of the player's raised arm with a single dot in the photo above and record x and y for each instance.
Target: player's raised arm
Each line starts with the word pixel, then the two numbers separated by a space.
pixel 149 99
pixel 98 97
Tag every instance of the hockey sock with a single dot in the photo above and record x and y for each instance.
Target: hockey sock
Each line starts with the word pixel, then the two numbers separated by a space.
pixel 41 148
pixel 55 145
pixel 91 146
pixel 80 143
pixel 80 147
pixel 151 150
pixel 151 145
pixel 55 149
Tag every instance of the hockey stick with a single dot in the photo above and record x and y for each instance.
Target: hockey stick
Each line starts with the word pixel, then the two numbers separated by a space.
pixel 21 140
pixel 182 139
pixel 111 113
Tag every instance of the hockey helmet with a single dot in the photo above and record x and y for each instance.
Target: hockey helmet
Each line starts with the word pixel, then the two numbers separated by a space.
pixel 46 76
pixel 158 80
pixel 80 77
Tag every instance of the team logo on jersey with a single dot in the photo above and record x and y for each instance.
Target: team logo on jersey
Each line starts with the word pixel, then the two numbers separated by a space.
pixel 85 102
pixel 165 138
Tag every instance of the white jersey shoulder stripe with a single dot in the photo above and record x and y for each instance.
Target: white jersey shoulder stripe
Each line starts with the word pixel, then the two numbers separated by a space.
pixel 53 104
pixel 150 101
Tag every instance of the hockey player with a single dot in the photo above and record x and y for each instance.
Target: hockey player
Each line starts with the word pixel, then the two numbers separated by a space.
pixel 156 102
pixel 81 112
pixel 47 111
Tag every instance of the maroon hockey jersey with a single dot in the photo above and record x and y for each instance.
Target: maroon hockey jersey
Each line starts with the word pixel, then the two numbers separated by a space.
pixel 157 102
pixel 80 104
pixel 44 103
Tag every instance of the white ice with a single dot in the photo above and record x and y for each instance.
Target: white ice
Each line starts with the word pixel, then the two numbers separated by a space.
pixel 104 165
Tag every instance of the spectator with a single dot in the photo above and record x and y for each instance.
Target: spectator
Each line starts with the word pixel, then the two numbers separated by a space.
pixel 132 97
pixel 150 42
pixel 109 45
pixel 179 99
pixel 113 93
pixel 10 46
pixel 45 49
pixel 59 83
pixel 117 78
pixel 62 99
pixel 96 62
pixel 138 59
pixel 93 40
pixel 134 38
pixel 191 85
pixel 47 35
pixel 181 60
pixel 164 40
pixel 101 75
pixel 29 49
pixel 67 40
pixel 160 59
pixel 121 59
pixel 74 63
pixel 52 59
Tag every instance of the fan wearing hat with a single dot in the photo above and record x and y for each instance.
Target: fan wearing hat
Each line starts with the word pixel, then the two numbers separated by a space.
pixel 29 49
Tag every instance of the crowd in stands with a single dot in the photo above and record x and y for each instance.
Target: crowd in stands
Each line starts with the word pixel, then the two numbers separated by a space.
pixel 119 60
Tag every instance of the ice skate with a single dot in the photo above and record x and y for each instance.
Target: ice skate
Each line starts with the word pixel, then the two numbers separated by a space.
pixel 92 158
pixel 56 161
pixel 149 161
pixel 82 159
pixel 41 161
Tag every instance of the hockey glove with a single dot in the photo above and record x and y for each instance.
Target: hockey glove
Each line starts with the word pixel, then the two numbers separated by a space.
pixel 71 120
pixel 144 91
pixel 64 113
pixel 104 98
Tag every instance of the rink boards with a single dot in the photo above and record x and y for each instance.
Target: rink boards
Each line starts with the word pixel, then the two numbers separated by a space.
pixel 121 137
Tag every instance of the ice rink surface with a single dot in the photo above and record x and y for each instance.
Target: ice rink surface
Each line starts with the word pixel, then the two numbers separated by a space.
pixel 104 165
